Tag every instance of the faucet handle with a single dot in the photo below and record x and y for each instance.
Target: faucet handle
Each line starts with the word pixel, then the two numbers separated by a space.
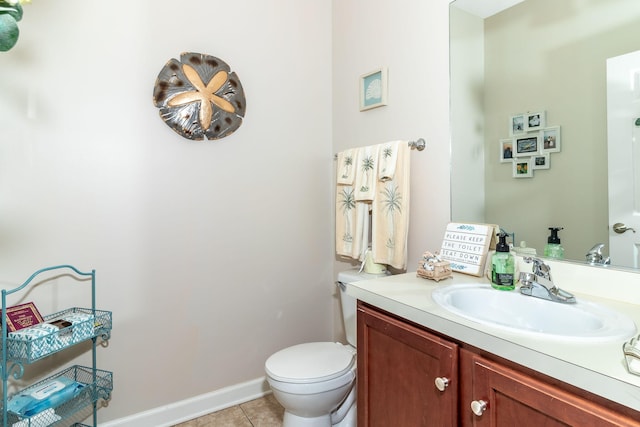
pixel 531 259
pixel 595 256
pixel 596 249
pixel 539 267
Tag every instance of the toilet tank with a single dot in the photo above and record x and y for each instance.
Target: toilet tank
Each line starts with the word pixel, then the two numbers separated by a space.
pixel 349 303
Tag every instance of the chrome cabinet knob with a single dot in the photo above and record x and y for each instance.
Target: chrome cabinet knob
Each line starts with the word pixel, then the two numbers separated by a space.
pixel 478 407
pixel 620 228
pixel 442 383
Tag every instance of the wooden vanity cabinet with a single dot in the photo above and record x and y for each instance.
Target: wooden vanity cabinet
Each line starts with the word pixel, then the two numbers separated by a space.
pixel 399 363
pixel 513 398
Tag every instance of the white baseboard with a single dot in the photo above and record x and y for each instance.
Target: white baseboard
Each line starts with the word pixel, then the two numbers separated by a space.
pixel 179 412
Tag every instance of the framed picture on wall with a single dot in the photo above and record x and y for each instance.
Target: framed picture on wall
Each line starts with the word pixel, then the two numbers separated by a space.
pixel 526 145
pixel 541 161
pixel 506 150
pixel 522 167
pixel 535 121
pixel 550 139
pixel 516 124
pixel 373 89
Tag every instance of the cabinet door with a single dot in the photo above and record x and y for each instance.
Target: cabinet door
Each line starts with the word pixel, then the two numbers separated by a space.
pixel 398 365
pixel 515 399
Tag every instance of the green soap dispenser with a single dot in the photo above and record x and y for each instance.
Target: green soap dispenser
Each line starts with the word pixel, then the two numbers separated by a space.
pixel 502 266
pixel 553 248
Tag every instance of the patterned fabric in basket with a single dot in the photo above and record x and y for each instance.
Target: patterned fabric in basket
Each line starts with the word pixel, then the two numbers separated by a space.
pixel 42 339
pixel 34 341
pixel 82 325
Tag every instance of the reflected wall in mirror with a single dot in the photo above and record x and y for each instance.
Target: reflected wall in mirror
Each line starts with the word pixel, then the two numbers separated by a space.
pixel 538 55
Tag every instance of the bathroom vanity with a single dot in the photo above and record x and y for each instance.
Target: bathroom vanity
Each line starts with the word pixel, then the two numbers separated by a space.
pixel 419 364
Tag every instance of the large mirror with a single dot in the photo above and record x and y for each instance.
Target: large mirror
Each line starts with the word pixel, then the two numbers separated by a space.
pixel 536 56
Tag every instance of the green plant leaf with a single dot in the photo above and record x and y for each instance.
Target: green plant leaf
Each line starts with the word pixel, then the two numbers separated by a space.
pixel 9 32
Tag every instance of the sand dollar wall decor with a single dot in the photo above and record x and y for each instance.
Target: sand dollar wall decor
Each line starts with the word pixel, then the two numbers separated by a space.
pixel 199 97
pixel 10 14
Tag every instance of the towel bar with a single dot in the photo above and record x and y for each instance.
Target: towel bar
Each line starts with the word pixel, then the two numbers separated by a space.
pixel 418 144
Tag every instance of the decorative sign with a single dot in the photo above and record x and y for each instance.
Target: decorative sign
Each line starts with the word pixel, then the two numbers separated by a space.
pixel 22 316
pixel 199 97
pixel 466 246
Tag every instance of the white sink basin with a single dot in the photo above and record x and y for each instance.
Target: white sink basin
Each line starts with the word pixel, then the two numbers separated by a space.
pixel 510 310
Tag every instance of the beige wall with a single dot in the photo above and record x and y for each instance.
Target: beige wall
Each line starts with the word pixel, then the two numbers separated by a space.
pixel 552 57
pixel 211 255
pixel 410 37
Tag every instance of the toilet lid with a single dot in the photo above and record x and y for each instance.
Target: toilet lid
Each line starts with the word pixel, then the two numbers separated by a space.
pixel 310 362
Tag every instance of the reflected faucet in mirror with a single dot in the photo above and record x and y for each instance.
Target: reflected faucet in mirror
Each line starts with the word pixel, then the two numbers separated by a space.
pixel 595 256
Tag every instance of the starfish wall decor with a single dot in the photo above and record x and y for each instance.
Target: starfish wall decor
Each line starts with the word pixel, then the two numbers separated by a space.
pixel 199 97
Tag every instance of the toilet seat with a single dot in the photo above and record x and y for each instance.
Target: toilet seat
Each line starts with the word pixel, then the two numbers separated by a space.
pixel 311 363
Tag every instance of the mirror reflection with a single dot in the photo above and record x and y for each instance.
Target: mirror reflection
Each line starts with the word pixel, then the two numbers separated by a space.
pixel 542 65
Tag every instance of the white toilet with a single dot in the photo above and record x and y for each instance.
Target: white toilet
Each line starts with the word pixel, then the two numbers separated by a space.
pixel 315 382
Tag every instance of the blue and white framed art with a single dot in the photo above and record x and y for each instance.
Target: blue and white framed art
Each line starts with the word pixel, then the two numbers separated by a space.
pixel 373 89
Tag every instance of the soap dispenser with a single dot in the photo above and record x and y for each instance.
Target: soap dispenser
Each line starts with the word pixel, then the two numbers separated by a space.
pixel 502 266
pixel 553 249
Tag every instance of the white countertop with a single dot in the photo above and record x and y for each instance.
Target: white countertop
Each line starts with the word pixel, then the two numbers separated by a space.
pixel 597 367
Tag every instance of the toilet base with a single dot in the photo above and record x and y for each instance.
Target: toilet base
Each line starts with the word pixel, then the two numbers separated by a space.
pixel 349 420
pixel 291 420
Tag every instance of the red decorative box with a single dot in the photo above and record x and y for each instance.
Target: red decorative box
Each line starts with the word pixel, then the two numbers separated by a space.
pixel 22 316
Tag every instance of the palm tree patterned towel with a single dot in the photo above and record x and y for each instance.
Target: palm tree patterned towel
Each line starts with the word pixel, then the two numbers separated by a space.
pixel 366 172
pixel 346 166
pixel 352 223
pixel 388 203
pixel 346 219
pixel 388 158
pixel 390 213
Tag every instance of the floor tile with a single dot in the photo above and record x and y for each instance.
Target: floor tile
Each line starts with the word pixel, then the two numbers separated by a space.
pixel 264 412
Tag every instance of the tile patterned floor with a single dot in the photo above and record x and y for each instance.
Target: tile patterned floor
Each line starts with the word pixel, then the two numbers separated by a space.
pixel 263 412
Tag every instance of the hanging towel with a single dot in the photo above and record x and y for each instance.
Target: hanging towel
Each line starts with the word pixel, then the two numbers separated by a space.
pixel 352 215
pixel 346 167
pixel 361 243
pixel 345 219
pixel 390 216
pixel 352 224
pixel 387 159
pixel 366 172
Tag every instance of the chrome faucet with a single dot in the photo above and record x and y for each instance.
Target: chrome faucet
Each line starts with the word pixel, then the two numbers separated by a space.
pixel 540 285
pixel 595 257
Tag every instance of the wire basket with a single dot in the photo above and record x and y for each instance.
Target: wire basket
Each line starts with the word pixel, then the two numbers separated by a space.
pixel 84 324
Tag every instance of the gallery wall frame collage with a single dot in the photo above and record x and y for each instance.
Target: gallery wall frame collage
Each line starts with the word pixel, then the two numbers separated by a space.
pixel 530 144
